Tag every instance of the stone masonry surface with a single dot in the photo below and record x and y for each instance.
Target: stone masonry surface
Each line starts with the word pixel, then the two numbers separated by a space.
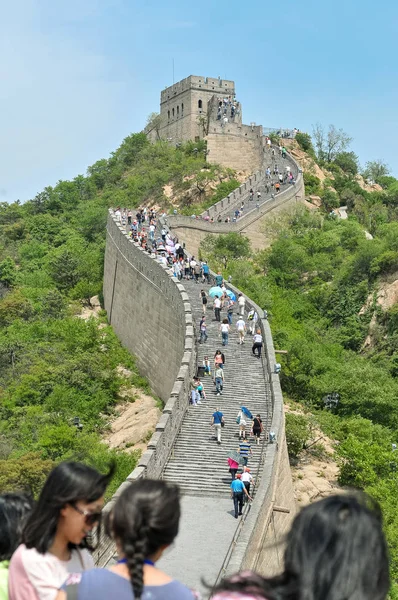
pixel 134 285
pixel 133 281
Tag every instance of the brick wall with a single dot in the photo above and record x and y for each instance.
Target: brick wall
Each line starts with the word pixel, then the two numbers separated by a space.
pixel 192 231
pixel 151 315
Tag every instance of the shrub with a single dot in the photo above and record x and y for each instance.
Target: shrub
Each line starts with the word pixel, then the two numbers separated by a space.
pixel 297 433
pixel 304 141
pixel 312 184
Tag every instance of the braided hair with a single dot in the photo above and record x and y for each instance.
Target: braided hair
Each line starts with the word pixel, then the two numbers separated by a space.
pixel 144 519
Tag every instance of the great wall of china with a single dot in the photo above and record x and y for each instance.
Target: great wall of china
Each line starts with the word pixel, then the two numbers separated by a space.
pixel 155 317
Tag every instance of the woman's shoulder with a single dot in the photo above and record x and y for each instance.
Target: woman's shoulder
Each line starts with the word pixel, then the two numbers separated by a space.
pixel 103 583
pixel 174 590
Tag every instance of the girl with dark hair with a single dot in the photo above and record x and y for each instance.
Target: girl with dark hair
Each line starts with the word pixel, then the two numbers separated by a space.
pixel 143 523
pixel 14 509
pixel 54 538
pixel 335 550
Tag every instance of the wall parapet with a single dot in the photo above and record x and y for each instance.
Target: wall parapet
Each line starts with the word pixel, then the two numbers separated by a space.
pixel 256 181
pixel 149 276
pixel 251 531
pixel 294 191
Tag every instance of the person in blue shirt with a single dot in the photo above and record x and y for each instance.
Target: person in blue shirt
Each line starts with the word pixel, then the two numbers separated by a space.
pixel 216 421
pixel 219 279
pixel 237 491
pixel 205 272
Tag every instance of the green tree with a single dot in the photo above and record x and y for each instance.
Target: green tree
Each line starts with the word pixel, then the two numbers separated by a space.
pixel 7 272
pixel 153 124
pixel 330 143
pixel 305 142
pixel 14 306
pixel 27 472
pixel 375 170
pixel 63 268
pixel 297 433
pixel 53 304
pixel 348 162
pixel 225 248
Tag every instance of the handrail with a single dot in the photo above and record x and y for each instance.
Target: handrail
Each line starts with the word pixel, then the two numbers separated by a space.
pixel 264 446
pixel 270 404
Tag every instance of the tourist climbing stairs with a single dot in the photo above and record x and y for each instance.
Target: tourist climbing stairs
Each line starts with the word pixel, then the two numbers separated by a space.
pixel 197 463
pixel 269 161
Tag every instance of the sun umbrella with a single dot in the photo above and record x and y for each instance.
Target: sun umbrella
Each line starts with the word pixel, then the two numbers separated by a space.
pixel 215 291
pixel 231 295
pixel 235 456
pixel 246 411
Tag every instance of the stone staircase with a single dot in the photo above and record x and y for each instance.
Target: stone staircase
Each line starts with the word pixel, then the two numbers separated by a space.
pixel 269 161
pixel 198 464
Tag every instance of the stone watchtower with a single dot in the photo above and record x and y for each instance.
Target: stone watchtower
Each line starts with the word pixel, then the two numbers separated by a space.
pixel 184 105
pixel 205 108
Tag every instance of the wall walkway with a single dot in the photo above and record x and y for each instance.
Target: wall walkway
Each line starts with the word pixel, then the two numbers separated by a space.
pixel 192 231
pixel 154 316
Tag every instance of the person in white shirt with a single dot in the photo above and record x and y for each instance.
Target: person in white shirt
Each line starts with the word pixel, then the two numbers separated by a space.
pixel 152 231
pixel 247 479
pixel 224 328
pixel 217 308
pixel 252 317
pixel 241 303
pixel 241 420
pixel 192 265
pixel 241 329
pixel 257 343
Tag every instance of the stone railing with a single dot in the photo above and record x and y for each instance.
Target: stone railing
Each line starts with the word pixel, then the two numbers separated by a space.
pixel 253 529
pixel 256 182
pixel 126 262
pixel 293 191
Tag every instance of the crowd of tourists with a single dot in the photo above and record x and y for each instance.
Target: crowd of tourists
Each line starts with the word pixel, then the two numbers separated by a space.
pixel 227 109
pixel 277 177
pixel 335 548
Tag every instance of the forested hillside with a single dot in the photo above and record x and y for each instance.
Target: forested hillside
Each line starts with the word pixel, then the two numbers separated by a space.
pixel 320 282
pixel 53 365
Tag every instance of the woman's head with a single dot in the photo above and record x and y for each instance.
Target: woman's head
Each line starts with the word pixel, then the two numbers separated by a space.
pixel 14 509
pixel 143 522
pixel 336 549
pixel 218 352
pixel 225 321
pixel 69 505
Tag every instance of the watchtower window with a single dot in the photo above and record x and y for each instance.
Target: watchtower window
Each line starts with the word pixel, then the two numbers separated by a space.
pixel 168 115
pixel 199 103
pixel 178 111
pixel 173 112
pixel 182 109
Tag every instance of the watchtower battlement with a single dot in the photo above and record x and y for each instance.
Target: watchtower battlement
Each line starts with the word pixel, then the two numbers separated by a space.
pixel 200 107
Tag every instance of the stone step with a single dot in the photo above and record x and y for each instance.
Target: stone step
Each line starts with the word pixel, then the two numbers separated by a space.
pixel 197 463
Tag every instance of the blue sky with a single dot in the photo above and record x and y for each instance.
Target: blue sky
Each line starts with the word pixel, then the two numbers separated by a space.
pixel 77 76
